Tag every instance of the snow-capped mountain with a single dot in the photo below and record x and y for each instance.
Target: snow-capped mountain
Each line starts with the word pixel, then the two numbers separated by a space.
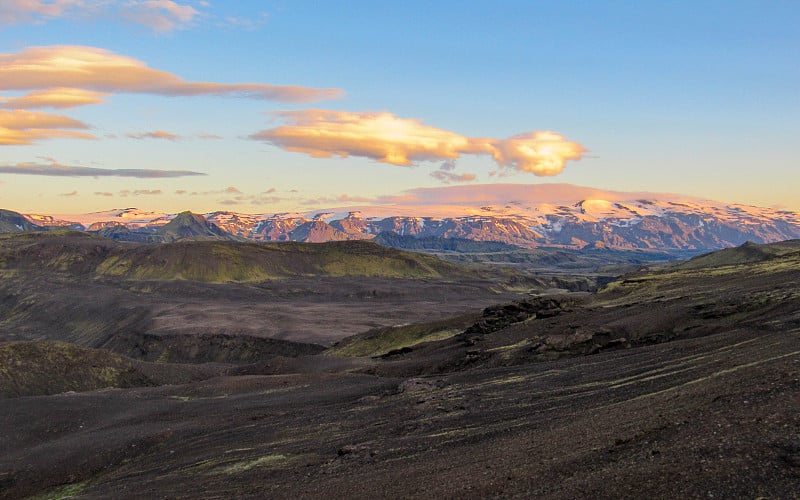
pixel 524 215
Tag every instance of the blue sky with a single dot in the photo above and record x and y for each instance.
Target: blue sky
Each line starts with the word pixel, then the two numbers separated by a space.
pixel 699 98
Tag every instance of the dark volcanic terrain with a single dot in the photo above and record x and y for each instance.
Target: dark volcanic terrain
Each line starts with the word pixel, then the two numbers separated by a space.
pixel 429 380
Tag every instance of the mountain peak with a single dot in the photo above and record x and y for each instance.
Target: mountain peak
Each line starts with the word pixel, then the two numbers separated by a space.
pixel 190 225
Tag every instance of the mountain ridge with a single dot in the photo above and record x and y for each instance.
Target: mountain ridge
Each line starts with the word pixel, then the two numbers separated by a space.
pixel 528 216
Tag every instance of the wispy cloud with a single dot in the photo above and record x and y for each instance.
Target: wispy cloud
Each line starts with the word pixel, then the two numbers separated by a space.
pixel 140 192
pixel 158 134
pixel 159 15
pixel 211 137
pixel 26 11
pixel 99 70
pixel 445 174
pixel 103 193
pixel 58 170
pixel 386 138
pixel 450 177
pixel 21 127
pixel 70 194
pixel 246 23
pixel 263 198
pixel 344 198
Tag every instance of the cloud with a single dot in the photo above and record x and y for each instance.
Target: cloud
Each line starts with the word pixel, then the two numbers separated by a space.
pixel 386 138
pixel 58 170
pixel 61 98
pixel 448 166
pixel 344 198
pixel 449 177
pixel 472 195
pixel 99 70
pixel 159 15
pixel 20 127
pixel 445 174
pixel 25 11
pixel 71 193
pixel 246 23
pixel 140 192
pixel 539 153
pixel 263 198
pixel 380 136
pixel 209 136
pixel 180 191
pixel 158 134
pixel 103 193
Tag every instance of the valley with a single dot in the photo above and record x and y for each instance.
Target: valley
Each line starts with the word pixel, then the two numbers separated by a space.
pixel 222 368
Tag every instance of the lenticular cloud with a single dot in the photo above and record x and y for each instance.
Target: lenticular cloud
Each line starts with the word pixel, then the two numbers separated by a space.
pixel 93 69
pixel 386 138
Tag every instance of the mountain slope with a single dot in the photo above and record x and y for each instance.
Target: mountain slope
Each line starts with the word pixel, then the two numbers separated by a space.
pixel 13 222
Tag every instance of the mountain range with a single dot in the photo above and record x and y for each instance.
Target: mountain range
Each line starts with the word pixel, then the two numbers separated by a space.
pixel 528 216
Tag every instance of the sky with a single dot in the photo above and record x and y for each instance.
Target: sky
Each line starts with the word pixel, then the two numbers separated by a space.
pixel 293 105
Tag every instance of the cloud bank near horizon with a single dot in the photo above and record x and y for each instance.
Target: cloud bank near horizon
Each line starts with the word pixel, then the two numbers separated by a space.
pixel 386 138
pixel 55 169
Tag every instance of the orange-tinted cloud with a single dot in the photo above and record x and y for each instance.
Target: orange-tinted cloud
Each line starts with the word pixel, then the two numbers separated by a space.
pixel 539 153
pixel 20 127
pixel 158 134
pixel 101 70
pixel 386 138
pixel 60 98
pixel 380 136
pixel 158 15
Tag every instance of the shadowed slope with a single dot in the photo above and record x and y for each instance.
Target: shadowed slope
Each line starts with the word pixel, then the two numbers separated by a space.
pixel 747 253
pixel 13 222
pixel 40 368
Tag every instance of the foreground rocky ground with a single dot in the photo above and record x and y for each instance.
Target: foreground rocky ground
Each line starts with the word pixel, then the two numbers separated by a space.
pixel 683 382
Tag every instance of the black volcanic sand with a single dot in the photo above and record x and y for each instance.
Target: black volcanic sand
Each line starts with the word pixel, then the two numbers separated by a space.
pixel 678 383
pixel 319 310
pixel 716 415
